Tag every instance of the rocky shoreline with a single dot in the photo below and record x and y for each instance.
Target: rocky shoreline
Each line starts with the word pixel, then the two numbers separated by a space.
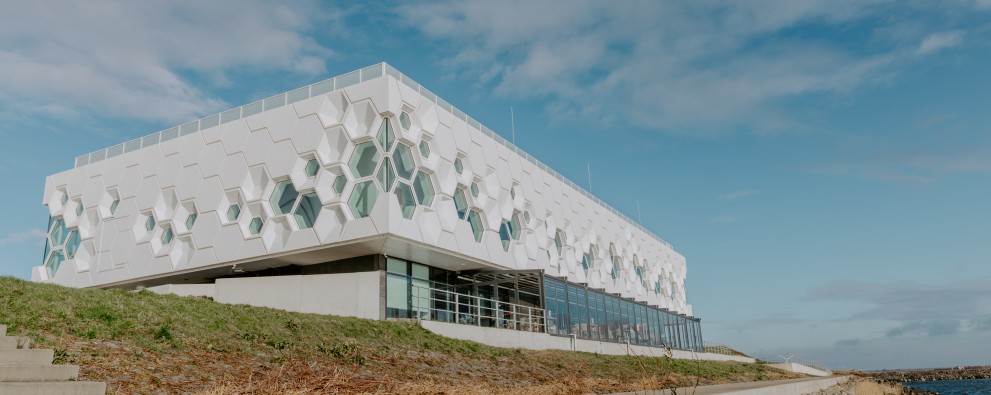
pixel 959 373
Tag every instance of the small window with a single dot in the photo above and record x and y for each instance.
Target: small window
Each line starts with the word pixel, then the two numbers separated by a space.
pixel 424 149
pixel 150 222
pixel 233 212
pixel 476 224
pixel 113 206
pixel 167 236
pixel 404 120
pixel 255 227
pixel 458 166
pixel 79 209
pixel 190 220
pixel 311 168
pixel 474 189
pixel 339 184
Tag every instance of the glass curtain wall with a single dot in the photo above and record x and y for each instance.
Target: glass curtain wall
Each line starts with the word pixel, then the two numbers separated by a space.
pixel 594 315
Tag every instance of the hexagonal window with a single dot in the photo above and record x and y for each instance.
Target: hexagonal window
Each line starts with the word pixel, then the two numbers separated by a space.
pixel 424 149
pixel 190 221
pixel 405 195
pixel 233 212
pixel 514 226
pixel 167 236
pixel 476 224
pixel 504 234
pixel 307 211
pixel 404 120
pixel 284 197
pixel 512 192
pixel 113 206
pixel 403 159
pixel 424 188
pixel 364 159
pixel 460 203
pixel 558 241
pixel 616 260
pixel 255 227
pixel 385 136
pixel 339 183
pixel 72 245
pixel 526 216
pixel 362 199
pixel 65 198
pixel 79 209
pixel 150 222
pixel 312 166
pixel 386 176
pixel 458 166
pixel 474 189
pixel 587 261
pixel 58 233
pixel 53 263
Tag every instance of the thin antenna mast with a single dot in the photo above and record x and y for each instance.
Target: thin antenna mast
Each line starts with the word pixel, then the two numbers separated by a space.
pixel 512 119
pixel 589 177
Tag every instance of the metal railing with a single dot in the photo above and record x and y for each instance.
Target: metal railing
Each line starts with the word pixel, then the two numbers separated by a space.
pixel 327 86
pixel 448 306
pixel 720 349
pixel 795 359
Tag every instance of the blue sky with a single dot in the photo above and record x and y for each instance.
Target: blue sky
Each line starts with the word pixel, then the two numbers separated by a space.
pixel 825 166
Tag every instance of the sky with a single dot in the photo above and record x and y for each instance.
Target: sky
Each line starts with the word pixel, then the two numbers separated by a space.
pixel 824 166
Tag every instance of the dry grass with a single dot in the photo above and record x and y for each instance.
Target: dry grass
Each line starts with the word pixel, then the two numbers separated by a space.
pixel 139 342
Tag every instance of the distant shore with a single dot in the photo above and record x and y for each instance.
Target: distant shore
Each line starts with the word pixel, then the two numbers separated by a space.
pixel 958 373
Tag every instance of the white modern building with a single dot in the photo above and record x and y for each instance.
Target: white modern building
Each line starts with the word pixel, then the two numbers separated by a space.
pixel 364 195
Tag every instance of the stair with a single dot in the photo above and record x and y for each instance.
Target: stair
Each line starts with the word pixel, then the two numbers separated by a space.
pixel 27 371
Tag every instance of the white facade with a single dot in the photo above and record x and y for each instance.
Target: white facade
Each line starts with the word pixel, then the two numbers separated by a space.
pixel 161 208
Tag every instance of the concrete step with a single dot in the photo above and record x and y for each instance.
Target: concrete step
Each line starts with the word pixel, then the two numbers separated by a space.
pixel 3 330
pixel 54 388
pixel 33 356
pixel 14 342
pixel 38 372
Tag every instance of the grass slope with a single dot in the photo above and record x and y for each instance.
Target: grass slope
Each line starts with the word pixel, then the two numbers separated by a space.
pixel 140 342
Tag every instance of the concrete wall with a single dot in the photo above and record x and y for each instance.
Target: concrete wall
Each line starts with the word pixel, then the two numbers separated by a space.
pixel 542 341
pixel 346 294
pixel 799 368
pixel 184 289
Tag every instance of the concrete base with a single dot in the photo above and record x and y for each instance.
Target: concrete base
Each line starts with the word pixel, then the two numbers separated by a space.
pixel 207 290
pixel 799 368
pixel 346 294
pixel 542 341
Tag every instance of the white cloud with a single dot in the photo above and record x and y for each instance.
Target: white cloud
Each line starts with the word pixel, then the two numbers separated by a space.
pixel 139 59
pixel 739 194
pixel 939 41
pixel 677 67
pixel 29 235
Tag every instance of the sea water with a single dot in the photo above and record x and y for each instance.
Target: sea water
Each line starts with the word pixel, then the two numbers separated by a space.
pixel 954 387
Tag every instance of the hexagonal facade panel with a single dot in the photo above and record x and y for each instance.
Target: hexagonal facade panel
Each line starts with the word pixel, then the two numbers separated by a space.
pixel 368 158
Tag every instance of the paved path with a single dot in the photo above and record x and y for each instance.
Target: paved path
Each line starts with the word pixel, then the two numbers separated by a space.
pixel 775 387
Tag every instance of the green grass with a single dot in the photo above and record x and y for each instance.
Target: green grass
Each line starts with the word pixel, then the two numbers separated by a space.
pixel 56 316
